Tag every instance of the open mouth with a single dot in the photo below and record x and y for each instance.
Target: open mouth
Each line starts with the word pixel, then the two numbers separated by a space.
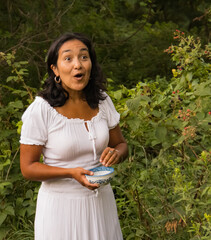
pixel 79 75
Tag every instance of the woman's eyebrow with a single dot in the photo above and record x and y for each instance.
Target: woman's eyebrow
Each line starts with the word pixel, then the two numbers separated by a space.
pixel 84 49
pixel 69 50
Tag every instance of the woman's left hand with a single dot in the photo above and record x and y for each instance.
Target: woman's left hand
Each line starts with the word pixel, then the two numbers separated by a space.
pixel 110 156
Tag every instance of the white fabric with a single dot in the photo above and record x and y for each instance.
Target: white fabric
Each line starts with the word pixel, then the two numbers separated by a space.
pixel 65 209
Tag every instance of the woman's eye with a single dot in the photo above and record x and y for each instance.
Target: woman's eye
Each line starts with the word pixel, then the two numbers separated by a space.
pixel 84 57
pixel 67 58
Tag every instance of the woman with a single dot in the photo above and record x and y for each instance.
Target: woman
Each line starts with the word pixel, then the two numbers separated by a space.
pixel 74 125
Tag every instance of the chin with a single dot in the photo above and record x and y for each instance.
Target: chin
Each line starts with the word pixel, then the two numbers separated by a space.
pixel 80 87
pixel 77 87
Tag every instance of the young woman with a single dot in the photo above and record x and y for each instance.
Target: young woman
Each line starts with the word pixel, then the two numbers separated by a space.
pixel 74 125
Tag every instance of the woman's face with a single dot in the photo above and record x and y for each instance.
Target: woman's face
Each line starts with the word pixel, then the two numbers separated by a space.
pixel 73 65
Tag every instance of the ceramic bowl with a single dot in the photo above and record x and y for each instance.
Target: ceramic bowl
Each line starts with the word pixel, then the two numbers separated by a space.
pixel 102 175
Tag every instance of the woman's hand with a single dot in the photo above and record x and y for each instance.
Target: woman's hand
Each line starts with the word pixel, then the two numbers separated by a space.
pixel 79 175
pixel 33 169
pixel 117 150
pixel 110 156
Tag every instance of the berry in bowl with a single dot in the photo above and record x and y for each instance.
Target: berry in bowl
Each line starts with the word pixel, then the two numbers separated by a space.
pixel 102 175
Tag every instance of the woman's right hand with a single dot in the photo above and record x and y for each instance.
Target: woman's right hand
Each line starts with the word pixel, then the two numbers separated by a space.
pixel 33 169
pixel 79 175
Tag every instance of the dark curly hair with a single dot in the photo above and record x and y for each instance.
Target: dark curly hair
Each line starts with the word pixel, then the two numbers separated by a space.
pixel 55 94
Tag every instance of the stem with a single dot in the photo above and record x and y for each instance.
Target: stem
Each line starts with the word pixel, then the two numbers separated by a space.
pixel 141 217
pixel 24 85
pixel 191 148
pixel 145 154
pixel 8 171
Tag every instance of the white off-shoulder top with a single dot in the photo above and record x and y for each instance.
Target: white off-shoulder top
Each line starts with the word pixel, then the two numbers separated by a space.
pixel 67 142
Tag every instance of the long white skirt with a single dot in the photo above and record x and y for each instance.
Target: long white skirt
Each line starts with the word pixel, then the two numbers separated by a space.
pixel 68 211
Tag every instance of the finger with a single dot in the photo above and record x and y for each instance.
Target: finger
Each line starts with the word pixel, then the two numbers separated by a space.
pixel 104 154
pixel 108 152
pixel 110 157
pixel 89 185
pixel 93 186
pixel 113 160
pixel 87 172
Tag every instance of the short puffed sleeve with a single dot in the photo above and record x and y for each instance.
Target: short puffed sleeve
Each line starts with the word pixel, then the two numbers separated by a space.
pixel 34 129
pixel 109 110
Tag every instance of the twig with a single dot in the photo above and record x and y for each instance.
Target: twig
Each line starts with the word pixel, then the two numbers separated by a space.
pixel 204 15
pixel 68 9
pixel 132 35
pixel 8 171
pixel 191 148
pixel 27 39
pixel 145 156
pixel 24 41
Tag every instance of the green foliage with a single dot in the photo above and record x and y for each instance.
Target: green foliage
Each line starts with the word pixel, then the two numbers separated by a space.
pixel 164 191
pixel 17 201
pixel 129 46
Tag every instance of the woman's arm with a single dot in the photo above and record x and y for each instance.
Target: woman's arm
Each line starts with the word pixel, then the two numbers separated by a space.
pixel 117 150
pixel 33 169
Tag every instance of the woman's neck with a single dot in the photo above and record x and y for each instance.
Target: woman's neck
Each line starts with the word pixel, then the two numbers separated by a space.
pixel 76 96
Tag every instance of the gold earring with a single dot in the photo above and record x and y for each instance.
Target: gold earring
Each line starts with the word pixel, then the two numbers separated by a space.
pixel 57 79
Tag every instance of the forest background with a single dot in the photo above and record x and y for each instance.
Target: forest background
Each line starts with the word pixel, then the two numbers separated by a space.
pixel 156 57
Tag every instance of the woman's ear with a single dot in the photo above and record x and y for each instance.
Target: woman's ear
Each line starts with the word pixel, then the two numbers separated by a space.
pixel 54 69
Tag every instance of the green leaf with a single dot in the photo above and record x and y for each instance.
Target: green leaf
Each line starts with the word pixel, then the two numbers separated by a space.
pixel 17 104
pixel 6 134
pixel 22 212
pixel 131 236
pixel 134 124
pixel 200 115
pixel 133 104
pixel 20 92
pixel 155 142
pixel 3 216
pixel 3 232
pixel 160 133
pixel 19 125
pixel 118 94
pixel 30 210
pixel 29 194
pixel 189 76
pixel 180 141
pixel 156 113
pixel 23 71
pixel 6 163
pixel 12 78
pixel 203 90
pixel 10 210
pixel 4 185
pixel 145 98
pixel 207 190
pixel 23 62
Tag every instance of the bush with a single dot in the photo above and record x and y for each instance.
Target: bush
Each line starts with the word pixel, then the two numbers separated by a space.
pixel 17 196
pixel 164 191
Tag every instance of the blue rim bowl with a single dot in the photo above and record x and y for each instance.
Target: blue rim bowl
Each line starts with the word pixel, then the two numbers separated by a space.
pixel 103 178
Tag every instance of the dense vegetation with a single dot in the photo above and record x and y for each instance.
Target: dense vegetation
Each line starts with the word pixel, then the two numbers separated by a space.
pixel 159 79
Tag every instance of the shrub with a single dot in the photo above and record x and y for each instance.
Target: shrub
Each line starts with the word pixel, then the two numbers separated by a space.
pixel 17 196
pixel 164 191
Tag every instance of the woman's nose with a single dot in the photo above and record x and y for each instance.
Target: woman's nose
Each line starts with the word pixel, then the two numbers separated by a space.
pixel 77 63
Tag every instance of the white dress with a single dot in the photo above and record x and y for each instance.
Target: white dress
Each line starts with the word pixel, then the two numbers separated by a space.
pixel 65 209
